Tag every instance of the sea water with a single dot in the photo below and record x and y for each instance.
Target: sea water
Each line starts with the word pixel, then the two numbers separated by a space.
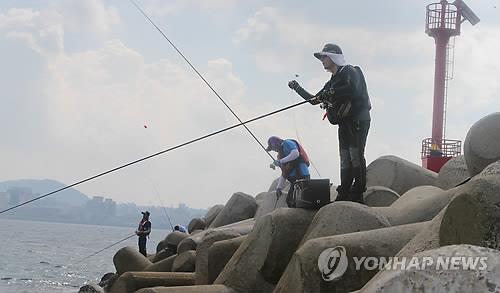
pixel 44 257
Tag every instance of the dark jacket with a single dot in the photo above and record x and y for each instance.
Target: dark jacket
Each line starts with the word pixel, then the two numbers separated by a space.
pixel 347 83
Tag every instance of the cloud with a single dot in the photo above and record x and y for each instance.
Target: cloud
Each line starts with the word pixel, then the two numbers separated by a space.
pixel 94 104
pixel 91 16
pixel 40 30
pixel 160 8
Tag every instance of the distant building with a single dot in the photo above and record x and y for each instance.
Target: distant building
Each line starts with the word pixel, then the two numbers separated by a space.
pixel 19 194
pixel 4 199
pixel 110 207
pixel 98 209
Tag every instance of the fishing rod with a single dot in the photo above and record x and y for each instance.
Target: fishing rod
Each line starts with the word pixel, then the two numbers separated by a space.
pixel 159 153
pixel 107 247
pixel 298 136
pixel 156 189
pixel 164 209
pixel 201 76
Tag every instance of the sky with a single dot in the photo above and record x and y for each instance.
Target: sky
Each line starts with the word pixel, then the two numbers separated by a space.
pixel 81 78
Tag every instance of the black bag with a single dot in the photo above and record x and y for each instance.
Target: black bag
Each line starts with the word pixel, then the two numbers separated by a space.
pixel 311 193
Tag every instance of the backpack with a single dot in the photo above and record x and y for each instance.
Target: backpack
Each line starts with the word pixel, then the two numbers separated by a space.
pixel 287 168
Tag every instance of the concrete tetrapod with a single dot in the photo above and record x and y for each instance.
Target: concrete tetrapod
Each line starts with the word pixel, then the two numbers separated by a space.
pixel 202 253
pixel 90 288
pixel 239 207
pixel 212 214
pixel 344 217
pixel 472 217
pixel 303 273
pixel 268 202
pixel 196 224
pixel 452 173
pixel 379 196
pixel 191 242
pixel 492 169
pixel 132 281
pixel 419 204
pixel 398 174
pixel 171 241
pixel 260 260
pixel 189 289
pixel 427 276
pixel 482 143
pixel 162 255
pixel 219 255
pixel 184 262
pixel 129 259
pixel 164 265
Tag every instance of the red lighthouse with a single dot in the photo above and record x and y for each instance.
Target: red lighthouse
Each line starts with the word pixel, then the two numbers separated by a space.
pixel 443 21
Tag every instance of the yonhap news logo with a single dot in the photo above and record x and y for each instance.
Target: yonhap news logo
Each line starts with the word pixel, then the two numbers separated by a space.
pixel 332 263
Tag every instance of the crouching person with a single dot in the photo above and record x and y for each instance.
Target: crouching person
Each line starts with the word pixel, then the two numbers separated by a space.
pixel 293 162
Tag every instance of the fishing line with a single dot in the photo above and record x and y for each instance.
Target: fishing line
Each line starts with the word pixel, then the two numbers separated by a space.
pixel 201 76
pixel 157 154
pixel 155 188
pixel 297 129
pixel 107 247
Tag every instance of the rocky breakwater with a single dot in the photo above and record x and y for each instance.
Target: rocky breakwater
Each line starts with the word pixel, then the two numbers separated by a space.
pixel 412 214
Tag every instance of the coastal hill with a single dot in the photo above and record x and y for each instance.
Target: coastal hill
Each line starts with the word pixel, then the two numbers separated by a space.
pixel 73 206
pixel 69 196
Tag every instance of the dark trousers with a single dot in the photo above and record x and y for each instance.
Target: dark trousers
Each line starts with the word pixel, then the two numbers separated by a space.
pixel 352 142
pixel 142 246
pixel 290 199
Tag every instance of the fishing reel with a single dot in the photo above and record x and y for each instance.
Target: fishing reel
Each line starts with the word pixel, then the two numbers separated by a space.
pixel 325 98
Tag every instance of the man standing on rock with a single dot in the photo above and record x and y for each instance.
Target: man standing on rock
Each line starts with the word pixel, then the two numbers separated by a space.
pixel 347 104
pixel 293 161
pixel 143 232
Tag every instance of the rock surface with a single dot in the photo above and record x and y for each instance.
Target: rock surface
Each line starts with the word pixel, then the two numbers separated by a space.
pixel 202 253
pixel 452 173
pixel 191 242
pixel 268 202
pixel 431 279
pixel 189 289
pixel 184 262
pixel 196 224
pixel 129 259
pixel 303 275
pixel 472 217
pixel 212 214
pixel 379 196
pixel 132 281
pixel 91 288
pixel 344 217
pixel 219 255
pixel 260 260
pixel 239 207
pixel 482 143
pixel 398 174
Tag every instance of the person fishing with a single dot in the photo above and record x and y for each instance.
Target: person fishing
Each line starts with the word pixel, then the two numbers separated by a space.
pixel 180 228
pixel 347 104
pixel 143 232
pixel 293 162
